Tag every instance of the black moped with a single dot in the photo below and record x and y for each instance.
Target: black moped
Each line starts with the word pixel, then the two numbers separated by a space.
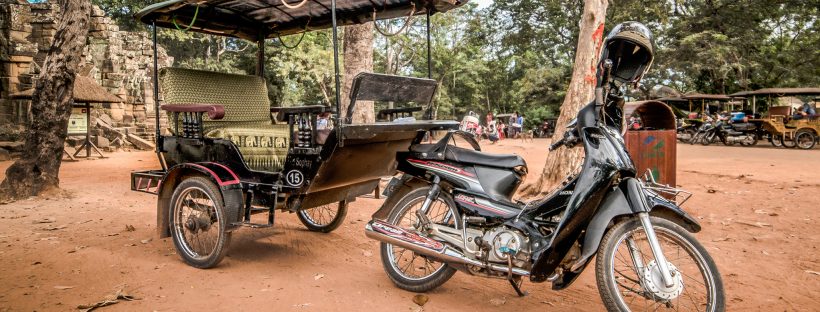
pixel 452 210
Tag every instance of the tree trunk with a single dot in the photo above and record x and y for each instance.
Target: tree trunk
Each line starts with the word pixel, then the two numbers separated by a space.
pixel 37 170
pixel 358 57
pixel 565 161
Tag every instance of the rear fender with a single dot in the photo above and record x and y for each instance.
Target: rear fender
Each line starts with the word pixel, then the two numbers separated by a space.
pixel 629 198
pixel 229 186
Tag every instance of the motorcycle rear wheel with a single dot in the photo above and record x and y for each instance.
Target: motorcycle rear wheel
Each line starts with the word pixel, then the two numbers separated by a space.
pixel 624 287
pixel 408 270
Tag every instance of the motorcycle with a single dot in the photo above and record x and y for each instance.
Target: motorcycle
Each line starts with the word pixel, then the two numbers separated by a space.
pixel 452 210
pixel 723 132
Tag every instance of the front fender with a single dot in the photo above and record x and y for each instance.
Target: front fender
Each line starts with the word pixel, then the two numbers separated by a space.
pixel 222 176
pixel 627 199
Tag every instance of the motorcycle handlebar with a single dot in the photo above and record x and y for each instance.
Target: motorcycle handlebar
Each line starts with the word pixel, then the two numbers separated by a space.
pixel 557 144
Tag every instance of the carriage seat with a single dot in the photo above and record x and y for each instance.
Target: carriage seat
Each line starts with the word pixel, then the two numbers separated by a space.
pixel 246 121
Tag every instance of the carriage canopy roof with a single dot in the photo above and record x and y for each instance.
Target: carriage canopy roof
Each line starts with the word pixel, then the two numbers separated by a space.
pixel 255 19
pixel 779 92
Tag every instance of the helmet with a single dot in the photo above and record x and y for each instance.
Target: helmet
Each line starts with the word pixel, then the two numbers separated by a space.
pixel 629 46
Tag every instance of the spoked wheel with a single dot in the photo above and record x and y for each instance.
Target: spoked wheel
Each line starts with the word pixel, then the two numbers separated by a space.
pixel 805 139
pixel 408 270
pixel 706 139
pixel 629 278
pixel 325 218
pixel 198 222
pixel 696 137
pixel 776 140
pixel 787 143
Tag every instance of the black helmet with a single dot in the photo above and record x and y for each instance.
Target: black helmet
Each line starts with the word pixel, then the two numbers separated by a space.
pixel 630 48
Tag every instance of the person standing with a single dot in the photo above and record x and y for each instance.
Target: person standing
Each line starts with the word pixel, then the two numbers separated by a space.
pixel 492 132
pixel 520 124
pixel 511 125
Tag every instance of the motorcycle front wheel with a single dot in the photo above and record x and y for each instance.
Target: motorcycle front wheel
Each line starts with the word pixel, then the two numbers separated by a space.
pixel 629 278
pixel 407 269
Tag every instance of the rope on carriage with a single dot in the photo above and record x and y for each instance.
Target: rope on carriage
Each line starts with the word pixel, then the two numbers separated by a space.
pixel 407 22
pixel 193 20
pixel 293 7
pixel 282 42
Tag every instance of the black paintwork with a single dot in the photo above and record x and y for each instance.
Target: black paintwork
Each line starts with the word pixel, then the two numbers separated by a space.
pixel 604 189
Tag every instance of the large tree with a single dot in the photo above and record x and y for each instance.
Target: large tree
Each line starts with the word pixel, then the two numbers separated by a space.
pixel 564 161
pixel 358 57
pixel 37 170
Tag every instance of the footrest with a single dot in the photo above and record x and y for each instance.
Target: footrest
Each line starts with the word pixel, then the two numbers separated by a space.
pixel 147 181
pixel 252 225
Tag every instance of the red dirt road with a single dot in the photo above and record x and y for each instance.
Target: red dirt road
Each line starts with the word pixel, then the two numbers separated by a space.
pixel 758 207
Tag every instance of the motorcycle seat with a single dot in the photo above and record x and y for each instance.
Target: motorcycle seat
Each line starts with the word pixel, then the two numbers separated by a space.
pixel 463 155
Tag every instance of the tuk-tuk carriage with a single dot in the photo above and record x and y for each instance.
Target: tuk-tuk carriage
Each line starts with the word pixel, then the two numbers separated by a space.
pixel 228 158
pixel 779 123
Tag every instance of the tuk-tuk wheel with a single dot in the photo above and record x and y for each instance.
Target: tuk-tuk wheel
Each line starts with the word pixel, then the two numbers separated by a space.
pixel 805 139
pixel 787 143
pixel 198 223
pixel 776 140
pixel 325 218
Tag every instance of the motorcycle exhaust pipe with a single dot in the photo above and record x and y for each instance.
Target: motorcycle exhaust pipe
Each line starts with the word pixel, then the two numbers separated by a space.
pixel 388 233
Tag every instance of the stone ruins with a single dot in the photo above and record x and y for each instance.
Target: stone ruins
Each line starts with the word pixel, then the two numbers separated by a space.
pixel 120 61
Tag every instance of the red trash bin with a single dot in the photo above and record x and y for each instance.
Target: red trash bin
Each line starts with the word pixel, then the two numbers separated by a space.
pixel 653 146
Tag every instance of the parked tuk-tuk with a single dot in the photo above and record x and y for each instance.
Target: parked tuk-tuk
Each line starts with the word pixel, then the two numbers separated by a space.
pixel 226 158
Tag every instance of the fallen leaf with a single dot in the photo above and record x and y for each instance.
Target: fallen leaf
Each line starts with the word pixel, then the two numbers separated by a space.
pixel 757 224
pixel 130 228
pixel 711 191
pixel 812 272
pixel 45 220
pixel 498 301
pixel 367 253
pixel 145 241
pixel 63 287
pixel 107 301
pixel 54 228
pixel 36 263
pixel 420 299
pixel 318 277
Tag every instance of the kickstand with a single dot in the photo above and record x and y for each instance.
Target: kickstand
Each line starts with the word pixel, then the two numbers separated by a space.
pixel 516 284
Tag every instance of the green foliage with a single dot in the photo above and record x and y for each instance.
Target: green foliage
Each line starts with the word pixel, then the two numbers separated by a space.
pixel 516 55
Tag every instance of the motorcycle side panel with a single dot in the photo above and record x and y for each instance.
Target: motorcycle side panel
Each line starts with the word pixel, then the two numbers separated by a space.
pixel 483 206
pixel 500 184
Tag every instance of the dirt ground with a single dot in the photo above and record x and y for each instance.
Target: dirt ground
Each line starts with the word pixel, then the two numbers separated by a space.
pixel 758 207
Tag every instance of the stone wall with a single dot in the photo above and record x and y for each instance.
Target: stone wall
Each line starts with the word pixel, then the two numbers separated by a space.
pixel 120 61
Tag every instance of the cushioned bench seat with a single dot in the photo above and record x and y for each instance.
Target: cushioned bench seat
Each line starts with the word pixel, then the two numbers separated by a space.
pixel 246 123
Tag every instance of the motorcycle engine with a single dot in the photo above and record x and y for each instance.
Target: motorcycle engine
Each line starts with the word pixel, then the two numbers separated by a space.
pixel 505 242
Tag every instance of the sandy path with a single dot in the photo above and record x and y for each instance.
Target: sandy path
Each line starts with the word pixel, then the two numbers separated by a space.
pixel 764 267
